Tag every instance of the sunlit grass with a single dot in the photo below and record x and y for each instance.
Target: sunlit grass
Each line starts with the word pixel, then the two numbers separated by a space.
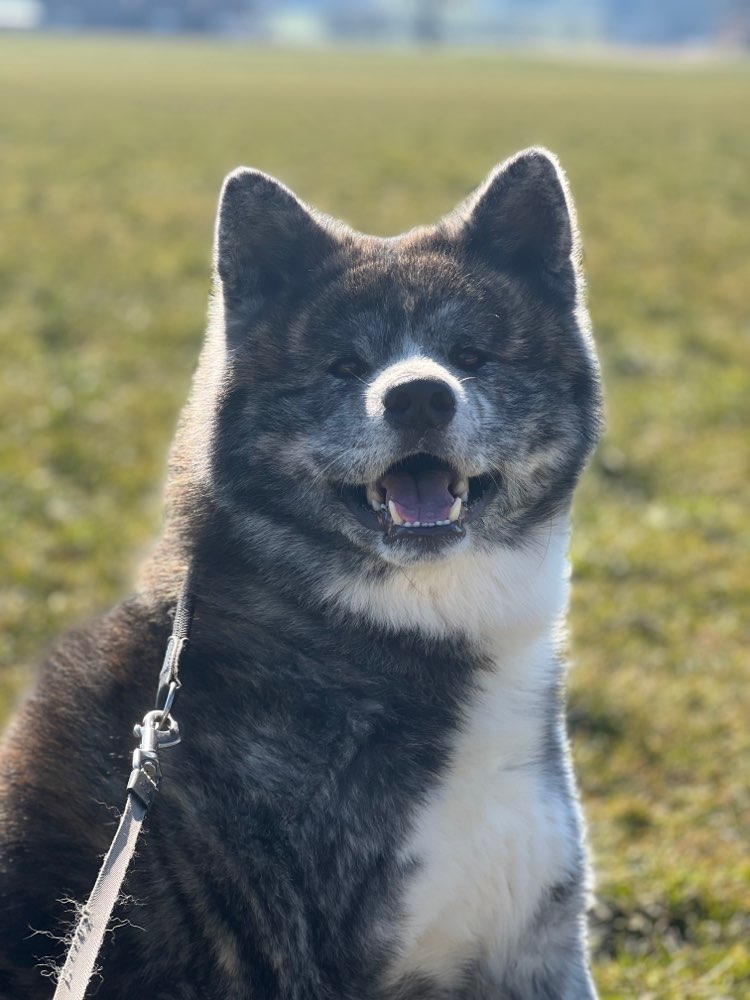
pixel 112 155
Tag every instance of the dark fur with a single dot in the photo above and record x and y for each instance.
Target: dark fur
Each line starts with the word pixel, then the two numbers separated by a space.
pixel 270 865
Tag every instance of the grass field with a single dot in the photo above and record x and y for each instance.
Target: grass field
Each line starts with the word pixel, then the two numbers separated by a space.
pixel 111 157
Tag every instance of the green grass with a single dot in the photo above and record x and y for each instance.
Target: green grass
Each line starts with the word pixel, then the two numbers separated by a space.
pixel 112 155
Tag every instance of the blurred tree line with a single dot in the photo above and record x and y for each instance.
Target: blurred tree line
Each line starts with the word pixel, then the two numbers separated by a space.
pixel 630 22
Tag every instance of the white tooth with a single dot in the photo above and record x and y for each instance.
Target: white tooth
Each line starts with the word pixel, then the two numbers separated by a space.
pixel 395 516
pixel 374 497
pixel 461 488
pixel 455 510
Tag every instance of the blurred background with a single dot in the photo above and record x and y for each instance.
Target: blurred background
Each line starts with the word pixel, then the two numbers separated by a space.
pixel 118 122
pixel 505 22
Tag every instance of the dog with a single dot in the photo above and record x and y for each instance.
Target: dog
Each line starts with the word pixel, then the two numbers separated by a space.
pixel 370 486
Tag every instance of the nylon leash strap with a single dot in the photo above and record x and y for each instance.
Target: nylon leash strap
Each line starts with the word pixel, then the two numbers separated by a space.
pixel 157 731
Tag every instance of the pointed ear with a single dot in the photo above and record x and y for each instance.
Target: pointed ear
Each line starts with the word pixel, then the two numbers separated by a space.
pixel 267 240
pixel 522 217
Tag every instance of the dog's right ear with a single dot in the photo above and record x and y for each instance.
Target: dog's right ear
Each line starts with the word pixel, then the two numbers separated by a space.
pixel 267 241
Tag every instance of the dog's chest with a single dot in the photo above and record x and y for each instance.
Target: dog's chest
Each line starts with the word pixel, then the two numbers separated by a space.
pixel 493 835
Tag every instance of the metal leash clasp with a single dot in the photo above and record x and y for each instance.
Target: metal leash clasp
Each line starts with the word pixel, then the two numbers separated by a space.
pixel 145 777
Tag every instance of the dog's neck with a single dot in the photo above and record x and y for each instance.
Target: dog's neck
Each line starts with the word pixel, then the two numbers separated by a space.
pixel 495 594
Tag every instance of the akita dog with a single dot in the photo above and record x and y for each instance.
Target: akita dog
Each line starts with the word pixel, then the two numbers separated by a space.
pixel 371 484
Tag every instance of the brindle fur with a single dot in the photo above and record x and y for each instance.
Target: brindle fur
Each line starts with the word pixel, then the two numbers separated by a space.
pixel 271 865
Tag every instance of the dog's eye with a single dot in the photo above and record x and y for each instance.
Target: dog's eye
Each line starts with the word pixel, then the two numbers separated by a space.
pixel 468 358
pixel 349 368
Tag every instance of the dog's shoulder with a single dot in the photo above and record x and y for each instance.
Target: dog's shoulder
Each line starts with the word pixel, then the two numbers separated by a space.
pixel 65 769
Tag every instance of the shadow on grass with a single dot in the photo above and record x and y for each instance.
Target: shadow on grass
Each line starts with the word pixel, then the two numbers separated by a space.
pixel 595 721
pixel 637 927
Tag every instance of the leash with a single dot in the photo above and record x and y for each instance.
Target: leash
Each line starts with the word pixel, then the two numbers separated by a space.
pixel 158 731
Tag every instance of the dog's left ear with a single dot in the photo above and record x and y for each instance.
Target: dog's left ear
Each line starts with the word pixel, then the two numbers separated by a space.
pixel 522 218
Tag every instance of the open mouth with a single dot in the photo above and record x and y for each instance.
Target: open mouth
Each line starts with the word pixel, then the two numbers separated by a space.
pixel 419 496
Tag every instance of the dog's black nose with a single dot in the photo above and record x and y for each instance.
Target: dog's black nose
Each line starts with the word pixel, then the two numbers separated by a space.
pixel 420 404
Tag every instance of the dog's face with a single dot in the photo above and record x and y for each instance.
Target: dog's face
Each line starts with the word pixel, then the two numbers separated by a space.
pixel 408 397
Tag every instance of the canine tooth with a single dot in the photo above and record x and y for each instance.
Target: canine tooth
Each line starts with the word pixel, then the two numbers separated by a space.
pixel 461 488
pixel 374 497
pixel 395 516
pixel 455 510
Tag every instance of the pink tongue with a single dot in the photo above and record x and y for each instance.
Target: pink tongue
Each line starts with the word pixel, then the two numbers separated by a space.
pixel 424 497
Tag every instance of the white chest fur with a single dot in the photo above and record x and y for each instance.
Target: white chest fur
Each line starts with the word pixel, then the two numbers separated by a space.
pixel 494 834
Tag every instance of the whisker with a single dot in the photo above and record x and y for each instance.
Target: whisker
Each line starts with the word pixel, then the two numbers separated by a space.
pixel 497 485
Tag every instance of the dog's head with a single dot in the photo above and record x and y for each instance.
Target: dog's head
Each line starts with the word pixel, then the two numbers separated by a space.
pixel 406 397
